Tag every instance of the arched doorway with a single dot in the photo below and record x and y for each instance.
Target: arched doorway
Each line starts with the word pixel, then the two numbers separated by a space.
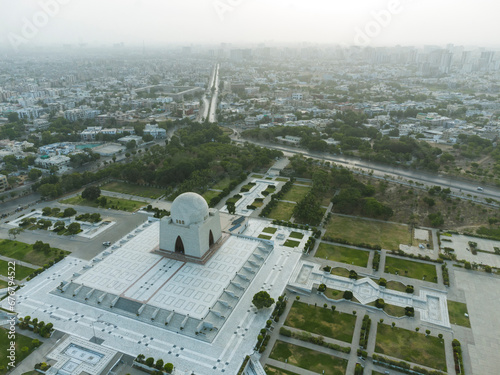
pixel 179 245
pixel 210 238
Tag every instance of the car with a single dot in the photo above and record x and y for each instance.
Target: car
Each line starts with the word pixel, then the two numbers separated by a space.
pixel 106 243
pixel 479 188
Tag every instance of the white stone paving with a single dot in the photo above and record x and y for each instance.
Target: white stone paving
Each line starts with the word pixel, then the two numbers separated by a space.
pixel 461 243
pixel 225 354
pixel 431 303
pixel 249 196
pixel 89 230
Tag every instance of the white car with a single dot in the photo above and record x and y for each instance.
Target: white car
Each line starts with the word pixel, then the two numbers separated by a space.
pixel 479 188
pixel 106 243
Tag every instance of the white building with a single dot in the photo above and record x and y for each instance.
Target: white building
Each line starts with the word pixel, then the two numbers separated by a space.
pixel 192 228
pixel 155 131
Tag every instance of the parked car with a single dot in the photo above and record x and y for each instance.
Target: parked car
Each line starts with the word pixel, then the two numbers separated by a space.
pixel 106 243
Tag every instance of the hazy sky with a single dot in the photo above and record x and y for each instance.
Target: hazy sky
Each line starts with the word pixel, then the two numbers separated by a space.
pixel 362 22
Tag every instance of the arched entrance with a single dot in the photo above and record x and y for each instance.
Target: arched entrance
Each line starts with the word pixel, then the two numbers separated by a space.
pixel 179 245
pixel 210 238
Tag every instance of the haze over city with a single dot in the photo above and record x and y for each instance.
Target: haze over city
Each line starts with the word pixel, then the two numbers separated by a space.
pixel 159 23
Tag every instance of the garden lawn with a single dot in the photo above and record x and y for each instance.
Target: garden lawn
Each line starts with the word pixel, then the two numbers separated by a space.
pixel 271 370
pixel 270 230
pixel 21 271
pixel 296 235
pixel 340 271
pixel 396 285
pixel 457 311
pixel 296 193
pixel 343 254
pixel 356 230
pixel 114 203
pixel 334 294
pixel 209 194
pixel 258 202
pixel 24 252
pixel 3 284
pixel 21 341
pixel 281 179
pixel 321 321
pixel 412 269
pixel 291 243
pixel 257 176
pixel 131 189
pixel 411 346
pixel 222 184
pixel 308 359
pixel 265 237
pixel 282 211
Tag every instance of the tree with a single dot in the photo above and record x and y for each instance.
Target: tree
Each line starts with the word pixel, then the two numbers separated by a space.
pixel 34 174
pixel 91 193
pixel 150 361
pixel 427 332
pixel 69 212
pixel 169 368
pixel 140 358
pixel 131 144
pixel 46 211
pixel 321 287
pixel 159 364
pixel 59 226
pixel 440 335
pixel 74 228
pixel 147 137
pixel 379 303
pixel 393 324
pixel 348 295
pixel 13 117
pixel 102 201
pixel 262 299
pixel 382 282
pixel 14 232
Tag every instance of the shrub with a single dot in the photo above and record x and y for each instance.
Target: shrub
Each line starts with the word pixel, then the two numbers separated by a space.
pixel 348 295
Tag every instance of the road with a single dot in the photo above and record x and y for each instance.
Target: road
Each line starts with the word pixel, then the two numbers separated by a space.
pixel 209 107
pixel 457 185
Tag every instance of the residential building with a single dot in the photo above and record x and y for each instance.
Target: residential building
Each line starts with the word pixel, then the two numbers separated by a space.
pixel 3 182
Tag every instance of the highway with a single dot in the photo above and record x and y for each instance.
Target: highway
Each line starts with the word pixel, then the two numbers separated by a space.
pixel 209 107
pixel 457 185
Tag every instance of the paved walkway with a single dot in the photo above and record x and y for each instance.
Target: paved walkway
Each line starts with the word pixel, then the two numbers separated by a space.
pixel 19 262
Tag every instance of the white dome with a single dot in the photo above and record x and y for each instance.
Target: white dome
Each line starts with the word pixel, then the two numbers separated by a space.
pixel 189 208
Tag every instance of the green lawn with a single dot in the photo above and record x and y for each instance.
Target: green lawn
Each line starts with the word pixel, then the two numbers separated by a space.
pixel 355 230
pixel 3 284
pixel 343 254
pixel 396 285
pixel 114 203
pixel 222 184
pixel 281 179
pixel 21 271
pixel 21 341
pixel 140 191
pixel 308 359
pixel 265 237
pixel 257 176
pixel 392 310
pixel 297 235
pixel 209 194
pixel 457 311
pixel 334 294
pixel 411 346
pixel 271 370
pixel 340 271
pixel 321 321
pixel 291 243
pixel 270 230
pixel 23 251
pixel 296 193
pixel 258 202
pixel 410 268
pixel 282 211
